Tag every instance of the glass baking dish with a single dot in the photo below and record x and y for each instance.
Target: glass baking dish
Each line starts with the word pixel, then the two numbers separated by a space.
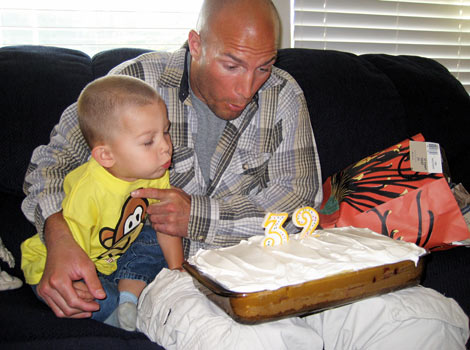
pixel 309 297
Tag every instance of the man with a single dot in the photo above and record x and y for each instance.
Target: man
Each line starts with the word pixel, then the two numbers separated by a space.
pixel 243 146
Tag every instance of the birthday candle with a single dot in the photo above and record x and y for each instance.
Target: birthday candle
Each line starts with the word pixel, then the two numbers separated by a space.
pixel 274 232
pixel 307 218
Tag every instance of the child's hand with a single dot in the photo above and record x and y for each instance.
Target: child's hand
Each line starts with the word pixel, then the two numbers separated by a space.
pixel 82 291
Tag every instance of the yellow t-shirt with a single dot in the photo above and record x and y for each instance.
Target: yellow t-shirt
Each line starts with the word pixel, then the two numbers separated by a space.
pixel 102 216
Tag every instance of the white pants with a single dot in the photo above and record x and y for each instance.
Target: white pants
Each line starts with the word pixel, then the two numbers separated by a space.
pixel 176 315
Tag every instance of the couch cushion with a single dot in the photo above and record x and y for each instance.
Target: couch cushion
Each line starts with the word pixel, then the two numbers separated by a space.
pixel 104 61
pixel 436 105
pixel 38 83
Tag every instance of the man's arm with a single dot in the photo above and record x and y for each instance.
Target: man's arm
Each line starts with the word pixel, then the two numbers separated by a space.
pixel 66 262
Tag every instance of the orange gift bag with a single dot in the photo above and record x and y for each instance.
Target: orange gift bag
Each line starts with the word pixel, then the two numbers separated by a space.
pixel 384 194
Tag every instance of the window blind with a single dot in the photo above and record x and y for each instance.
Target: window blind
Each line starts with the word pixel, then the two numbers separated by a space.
pixel 92 26
pixel 438 29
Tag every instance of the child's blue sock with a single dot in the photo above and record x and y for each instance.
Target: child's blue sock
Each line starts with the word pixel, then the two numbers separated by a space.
pixel 126 296
pixel 127 311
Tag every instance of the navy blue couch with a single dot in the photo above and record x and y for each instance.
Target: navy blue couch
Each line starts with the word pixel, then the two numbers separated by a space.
pixel 358 105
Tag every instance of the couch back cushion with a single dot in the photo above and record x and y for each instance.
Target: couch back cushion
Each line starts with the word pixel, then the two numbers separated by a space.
pixel 358 104
pixel 354 108
pixel 363 104
pixel 37 84
pixel 436 105
pixel 104 61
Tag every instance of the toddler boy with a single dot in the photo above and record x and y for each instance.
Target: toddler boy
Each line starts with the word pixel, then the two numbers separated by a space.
pixel 124 121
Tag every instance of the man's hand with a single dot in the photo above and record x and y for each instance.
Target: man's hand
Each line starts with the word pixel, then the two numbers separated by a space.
pixel 67 263
pixel 171 214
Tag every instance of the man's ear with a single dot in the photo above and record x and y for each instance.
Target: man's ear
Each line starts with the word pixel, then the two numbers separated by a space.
pixel 103 156
pixel 194 42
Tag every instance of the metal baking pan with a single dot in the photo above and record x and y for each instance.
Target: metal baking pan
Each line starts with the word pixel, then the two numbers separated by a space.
pixel 309 297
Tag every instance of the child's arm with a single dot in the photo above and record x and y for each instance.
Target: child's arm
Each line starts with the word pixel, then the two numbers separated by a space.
pixel 172 248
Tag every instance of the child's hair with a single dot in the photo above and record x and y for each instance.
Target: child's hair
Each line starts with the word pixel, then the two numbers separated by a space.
pixel 101 101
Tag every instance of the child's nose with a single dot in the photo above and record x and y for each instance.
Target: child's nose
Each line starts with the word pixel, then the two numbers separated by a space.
pixel 166 145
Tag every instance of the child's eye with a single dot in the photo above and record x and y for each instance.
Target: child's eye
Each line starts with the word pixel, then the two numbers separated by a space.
pixel 148 143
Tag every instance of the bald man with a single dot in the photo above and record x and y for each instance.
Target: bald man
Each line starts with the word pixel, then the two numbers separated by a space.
pixel 243 146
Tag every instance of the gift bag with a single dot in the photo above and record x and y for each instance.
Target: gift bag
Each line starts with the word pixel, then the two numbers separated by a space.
pixel 384 194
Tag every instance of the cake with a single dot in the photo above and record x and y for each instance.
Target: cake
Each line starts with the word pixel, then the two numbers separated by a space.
pixel 251 266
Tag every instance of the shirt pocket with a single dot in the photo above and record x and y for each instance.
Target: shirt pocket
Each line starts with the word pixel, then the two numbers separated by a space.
pixel 249 163
pixel 248 172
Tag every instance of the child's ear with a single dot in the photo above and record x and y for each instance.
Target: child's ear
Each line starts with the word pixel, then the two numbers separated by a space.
pixel 103 156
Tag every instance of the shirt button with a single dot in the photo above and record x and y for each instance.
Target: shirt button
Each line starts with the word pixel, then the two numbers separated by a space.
pixel 200 238
pixel 245 166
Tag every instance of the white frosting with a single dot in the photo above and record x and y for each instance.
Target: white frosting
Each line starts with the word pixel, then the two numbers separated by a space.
pixel 250 267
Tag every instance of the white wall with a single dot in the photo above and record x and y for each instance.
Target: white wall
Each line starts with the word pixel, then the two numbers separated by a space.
pixel 284 9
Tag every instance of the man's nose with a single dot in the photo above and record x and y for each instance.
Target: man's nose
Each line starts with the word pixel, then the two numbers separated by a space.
pixel 245 86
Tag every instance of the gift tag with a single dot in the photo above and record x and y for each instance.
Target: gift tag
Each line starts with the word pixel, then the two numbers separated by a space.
pixel 425 157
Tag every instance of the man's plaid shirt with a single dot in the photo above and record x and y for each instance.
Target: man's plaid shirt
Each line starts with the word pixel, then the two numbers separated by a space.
pixel 265 161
